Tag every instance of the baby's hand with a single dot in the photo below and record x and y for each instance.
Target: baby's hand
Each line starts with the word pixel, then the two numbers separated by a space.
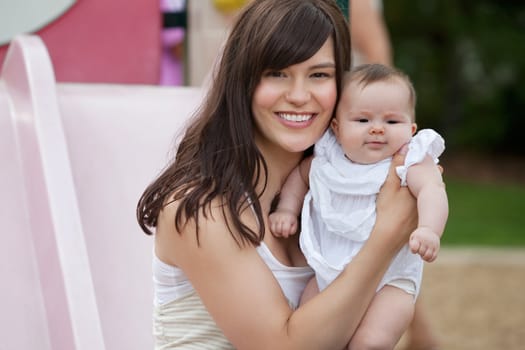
pixel 425 242
pixel 283 223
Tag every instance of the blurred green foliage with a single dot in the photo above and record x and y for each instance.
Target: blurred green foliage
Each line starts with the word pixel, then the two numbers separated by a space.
pixel 467 61
pixel 485 214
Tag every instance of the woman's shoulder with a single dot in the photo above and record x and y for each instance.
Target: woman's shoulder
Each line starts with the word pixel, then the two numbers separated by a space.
pixel 209 216
pixel 209 227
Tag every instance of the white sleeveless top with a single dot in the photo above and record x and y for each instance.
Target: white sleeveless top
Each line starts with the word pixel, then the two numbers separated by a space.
pixel 180 319
pixel 170 282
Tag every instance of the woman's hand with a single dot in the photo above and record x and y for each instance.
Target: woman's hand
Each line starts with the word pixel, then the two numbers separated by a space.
pixel 396 207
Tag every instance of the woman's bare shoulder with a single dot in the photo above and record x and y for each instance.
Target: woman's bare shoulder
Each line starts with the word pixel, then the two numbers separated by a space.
pixel 210 228
pixel 219 268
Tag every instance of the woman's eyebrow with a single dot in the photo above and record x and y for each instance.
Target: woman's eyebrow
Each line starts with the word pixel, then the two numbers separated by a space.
pixel 323 65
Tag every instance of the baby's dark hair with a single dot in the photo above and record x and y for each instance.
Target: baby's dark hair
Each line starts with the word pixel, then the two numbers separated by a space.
pixel 365 74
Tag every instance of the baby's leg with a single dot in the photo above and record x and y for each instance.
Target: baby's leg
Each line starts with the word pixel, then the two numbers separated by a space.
pixel 385 321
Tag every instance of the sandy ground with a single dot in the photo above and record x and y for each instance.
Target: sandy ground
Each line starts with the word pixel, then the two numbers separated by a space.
pixel 476 298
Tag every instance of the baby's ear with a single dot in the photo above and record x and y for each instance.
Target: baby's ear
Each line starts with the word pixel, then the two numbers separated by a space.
pixel 414 128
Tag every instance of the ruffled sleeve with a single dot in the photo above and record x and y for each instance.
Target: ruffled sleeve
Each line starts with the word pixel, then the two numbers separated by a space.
pixel 425 142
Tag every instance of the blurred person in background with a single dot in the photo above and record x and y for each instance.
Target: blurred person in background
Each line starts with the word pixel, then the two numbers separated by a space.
pixel 370 39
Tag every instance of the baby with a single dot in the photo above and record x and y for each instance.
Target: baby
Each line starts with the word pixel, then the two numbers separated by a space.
pixel 374 119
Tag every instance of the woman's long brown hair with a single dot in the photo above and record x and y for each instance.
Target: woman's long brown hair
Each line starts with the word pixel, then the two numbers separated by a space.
pixel 217 157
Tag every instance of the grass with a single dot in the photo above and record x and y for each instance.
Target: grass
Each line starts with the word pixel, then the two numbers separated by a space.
pixel 485 214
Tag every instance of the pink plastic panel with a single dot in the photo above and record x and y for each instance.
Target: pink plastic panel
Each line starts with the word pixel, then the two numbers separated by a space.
pixel 76 267
pixel 49 201
pixel 21 299
pixel 118 139
pixel 116 41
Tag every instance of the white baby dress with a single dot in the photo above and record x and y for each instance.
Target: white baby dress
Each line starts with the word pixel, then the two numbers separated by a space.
pixel 339 210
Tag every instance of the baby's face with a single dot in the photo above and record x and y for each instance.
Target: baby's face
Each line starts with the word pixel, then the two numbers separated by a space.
pixel 374 121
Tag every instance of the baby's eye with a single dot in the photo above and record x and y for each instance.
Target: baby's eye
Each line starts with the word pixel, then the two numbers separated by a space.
pixel 393 122
pixel 362 120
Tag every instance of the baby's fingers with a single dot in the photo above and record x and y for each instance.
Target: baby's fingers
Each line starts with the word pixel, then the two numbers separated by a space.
pixel 429 255
pixel 426 252
pixel 276 226
pixel 289 229
pixel 414 245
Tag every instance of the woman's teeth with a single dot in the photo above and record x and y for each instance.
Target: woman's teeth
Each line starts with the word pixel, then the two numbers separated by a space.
pixel 295 117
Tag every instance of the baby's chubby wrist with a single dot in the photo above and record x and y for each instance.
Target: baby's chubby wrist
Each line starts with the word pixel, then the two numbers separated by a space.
pixel 285 211
pixel 425 233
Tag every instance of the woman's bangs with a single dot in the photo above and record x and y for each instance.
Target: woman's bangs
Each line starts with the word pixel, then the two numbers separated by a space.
pixel 297 38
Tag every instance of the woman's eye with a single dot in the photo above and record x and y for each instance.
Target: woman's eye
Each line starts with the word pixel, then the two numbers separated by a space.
pixel 274 74
pixel 321 75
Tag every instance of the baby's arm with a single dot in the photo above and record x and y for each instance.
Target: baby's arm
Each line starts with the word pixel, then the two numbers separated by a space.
pixel 426 184
pixel 283 221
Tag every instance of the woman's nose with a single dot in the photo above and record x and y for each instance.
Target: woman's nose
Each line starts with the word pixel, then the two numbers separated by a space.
pixel 298 93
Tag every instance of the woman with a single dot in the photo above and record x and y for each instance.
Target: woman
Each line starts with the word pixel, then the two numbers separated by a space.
pixel 222 281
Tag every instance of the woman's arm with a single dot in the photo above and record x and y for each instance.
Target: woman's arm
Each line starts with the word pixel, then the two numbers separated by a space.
pixel 245 300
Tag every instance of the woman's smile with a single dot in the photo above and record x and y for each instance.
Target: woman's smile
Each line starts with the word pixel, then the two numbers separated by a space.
pixel 296 117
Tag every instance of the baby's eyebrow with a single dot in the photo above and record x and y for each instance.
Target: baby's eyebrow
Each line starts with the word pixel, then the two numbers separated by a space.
pixel 395 115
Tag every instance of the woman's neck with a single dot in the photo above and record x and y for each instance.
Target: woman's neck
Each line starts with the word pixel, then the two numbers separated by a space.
pixel 280 164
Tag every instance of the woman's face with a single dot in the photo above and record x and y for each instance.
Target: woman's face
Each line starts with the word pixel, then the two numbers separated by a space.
pixel 293 106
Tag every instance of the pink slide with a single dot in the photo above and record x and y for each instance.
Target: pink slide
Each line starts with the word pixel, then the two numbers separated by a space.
pixel 75 265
